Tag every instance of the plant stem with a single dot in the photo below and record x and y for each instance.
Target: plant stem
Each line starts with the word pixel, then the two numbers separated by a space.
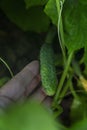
pixel 63 77
pixel 60 29
pixel 76 68
pixel 7 66
pixel 62 95
pixel 73 91
pixel 50 36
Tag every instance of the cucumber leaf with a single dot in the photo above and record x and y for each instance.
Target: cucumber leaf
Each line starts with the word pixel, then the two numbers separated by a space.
pixel 51 11
pixel 75 22
pixel 33 19
pixel 30 3
pixel 74 18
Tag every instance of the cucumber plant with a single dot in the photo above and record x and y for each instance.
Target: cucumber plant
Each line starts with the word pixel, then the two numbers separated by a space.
pixel 67 16
pixel 70 19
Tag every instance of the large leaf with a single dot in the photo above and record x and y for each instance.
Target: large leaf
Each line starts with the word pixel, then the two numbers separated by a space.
pixel 29 116
pixel 75 26
pixel 74 17
pixel 32 19
pixel 75 22
pixel 51 11
pixel 30 3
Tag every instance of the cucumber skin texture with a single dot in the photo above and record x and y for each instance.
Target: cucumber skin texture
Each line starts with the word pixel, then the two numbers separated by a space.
pixel 47 70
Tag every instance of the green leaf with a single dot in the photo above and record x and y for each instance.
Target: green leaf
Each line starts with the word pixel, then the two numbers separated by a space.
pixel 33 19
pixel 79 108
pixel 28 116
pixel 81 125
pixel 75 26
pixel 83 2
pixel 75 22
pixel 30 3
pixel 74 17
pixel 51 11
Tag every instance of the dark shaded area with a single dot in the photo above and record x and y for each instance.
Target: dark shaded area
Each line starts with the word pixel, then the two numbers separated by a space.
pixel 65 116
pixel 17 48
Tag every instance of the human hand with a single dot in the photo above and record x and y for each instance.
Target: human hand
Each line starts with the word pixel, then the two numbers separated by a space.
pixel 26 84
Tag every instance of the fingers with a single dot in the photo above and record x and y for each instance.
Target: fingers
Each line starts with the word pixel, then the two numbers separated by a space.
pixel 16 87
pixel 32 85
pixel 38 95
pixel 23 85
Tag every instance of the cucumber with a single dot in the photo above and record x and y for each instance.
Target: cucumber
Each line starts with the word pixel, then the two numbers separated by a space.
pixel 47 70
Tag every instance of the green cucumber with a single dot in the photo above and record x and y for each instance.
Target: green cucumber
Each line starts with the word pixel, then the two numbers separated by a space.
pixel 48 71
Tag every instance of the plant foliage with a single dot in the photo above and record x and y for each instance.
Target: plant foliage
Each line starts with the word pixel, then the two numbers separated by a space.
pixel 33 18
pixel 70 19
pixel 28 116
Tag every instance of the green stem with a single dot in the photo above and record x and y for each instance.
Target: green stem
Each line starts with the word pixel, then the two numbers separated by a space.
pixel 63 78
pixel 50 36
pixel 6 66
pixel 73 91
pixel 76 68
pixel 63 93
pixel 60 29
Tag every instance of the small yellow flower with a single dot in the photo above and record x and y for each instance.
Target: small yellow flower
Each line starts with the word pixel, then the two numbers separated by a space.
pixel 83 82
